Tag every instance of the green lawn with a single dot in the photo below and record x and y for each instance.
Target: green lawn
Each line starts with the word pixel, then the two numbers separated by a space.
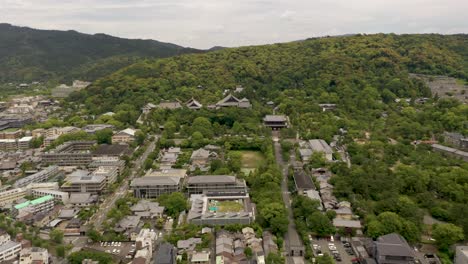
pixel 229 206
pixel 251 159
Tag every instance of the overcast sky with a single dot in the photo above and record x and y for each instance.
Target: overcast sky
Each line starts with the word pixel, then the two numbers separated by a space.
pixel 207 23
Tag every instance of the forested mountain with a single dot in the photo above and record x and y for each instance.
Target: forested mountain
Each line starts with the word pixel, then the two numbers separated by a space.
pixel 339 66
pixel 28 54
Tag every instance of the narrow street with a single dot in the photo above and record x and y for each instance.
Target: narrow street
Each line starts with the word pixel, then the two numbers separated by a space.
pixel 291 238
pixel 99 217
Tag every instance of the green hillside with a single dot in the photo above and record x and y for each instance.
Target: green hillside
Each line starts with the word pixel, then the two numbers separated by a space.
pixel 394 184
pixel 335 65
pixel 28 54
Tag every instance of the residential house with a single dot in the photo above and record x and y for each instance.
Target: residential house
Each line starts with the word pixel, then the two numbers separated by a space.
pixel 188 245
pixel 200 258
pixel 147 209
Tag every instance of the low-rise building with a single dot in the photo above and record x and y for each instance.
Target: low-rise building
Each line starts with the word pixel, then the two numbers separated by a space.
pixel 188 245
pixel 319 145
pixel 72 153
pixel 232 101
pixel 8 249
pixel 171 105
pixel 125 136
pixel 34 255
pixel 10 196
pixel 221 210
pixel 119 164
pixel 108 172
pixel 166 254
pixel 393 249
pixel 193 104
pixel 107 152
pixel 200 257
pixel 216 185
pixel 40 205
pixel 82 181
pixel 153 187
pixel 302 181
pixel 24 142
pixel 41 176
pixel 147 209
pixel 58 195
pixel 275 122
pixel 93 128
pixel 82 199
pixel 146 239
pixel 11 134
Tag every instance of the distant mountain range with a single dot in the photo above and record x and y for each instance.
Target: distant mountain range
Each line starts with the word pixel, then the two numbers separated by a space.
pixel 28 54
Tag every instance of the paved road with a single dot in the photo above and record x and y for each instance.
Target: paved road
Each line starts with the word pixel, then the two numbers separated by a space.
pixel 291 237
pixel 98 218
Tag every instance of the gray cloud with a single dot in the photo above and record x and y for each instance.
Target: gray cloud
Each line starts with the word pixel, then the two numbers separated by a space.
pixel 205 23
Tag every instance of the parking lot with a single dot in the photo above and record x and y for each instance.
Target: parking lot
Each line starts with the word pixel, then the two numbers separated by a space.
pixel 324 246
pixel 120 249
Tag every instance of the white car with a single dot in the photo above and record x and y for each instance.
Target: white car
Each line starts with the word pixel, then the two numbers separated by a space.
pixel 315 246
pixel 331 247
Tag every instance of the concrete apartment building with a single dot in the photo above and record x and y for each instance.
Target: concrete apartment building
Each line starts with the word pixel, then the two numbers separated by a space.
pixel 125 136
pixel 154 186
pixel 10 196
pixel 110 173
pixel 58 195
pixel 204 210
pixel 34 255
pixel 40 205
pixel 72 153
pixel 82 181
pixel 216 185
pixel 41 176
pixel 8 249
pixel 11 134
pixel 119 164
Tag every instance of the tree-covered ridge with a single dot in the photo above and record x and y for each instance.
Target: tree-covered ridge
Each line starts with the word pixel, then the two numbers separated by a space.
pixel 313 66
pixel 38 55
